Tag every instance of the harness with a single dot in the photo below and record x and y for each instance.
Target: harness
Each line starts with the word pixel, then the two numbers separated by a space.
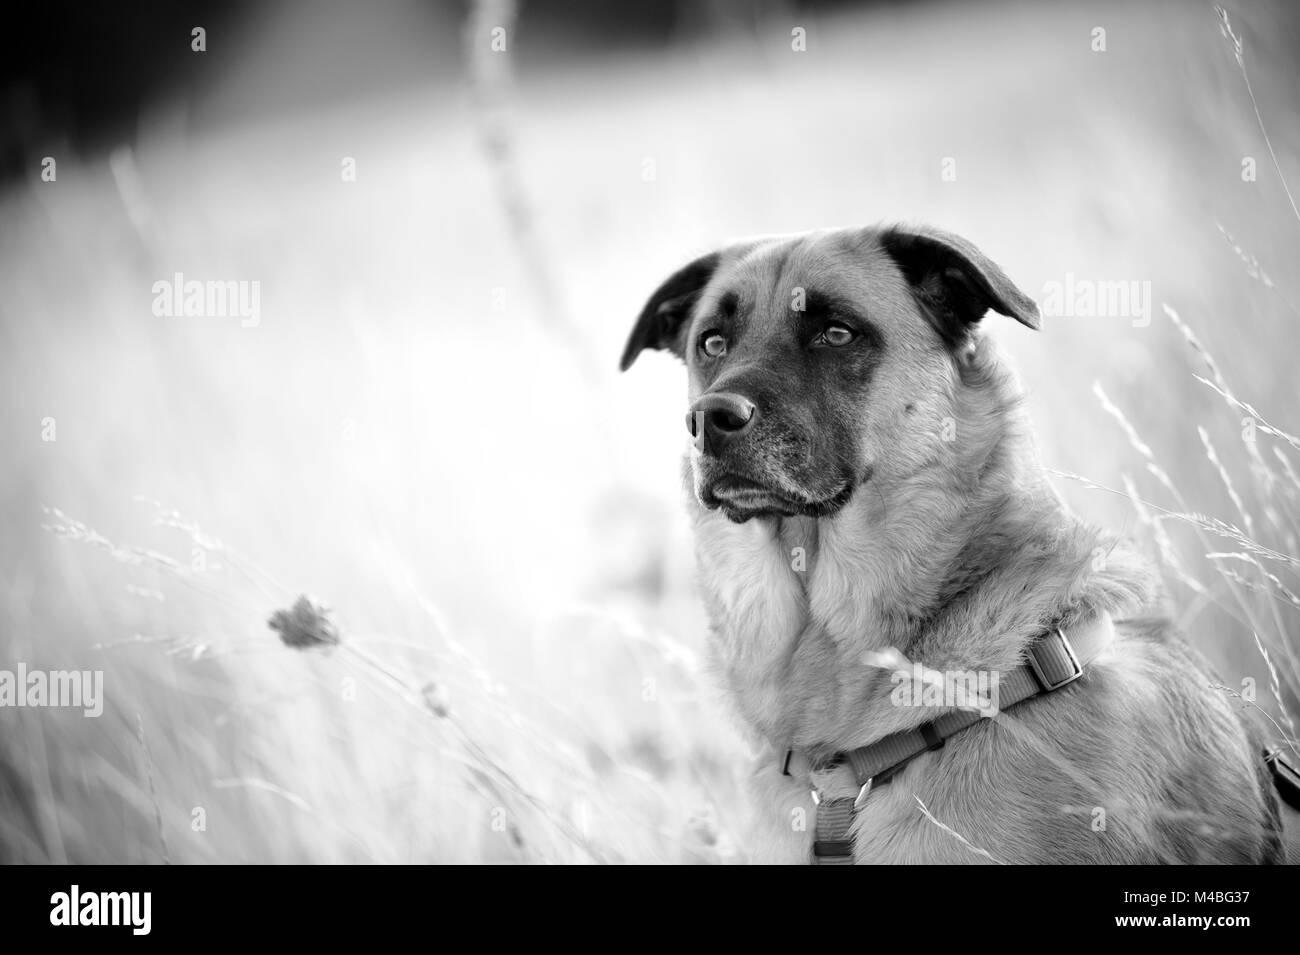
pixel 1052 661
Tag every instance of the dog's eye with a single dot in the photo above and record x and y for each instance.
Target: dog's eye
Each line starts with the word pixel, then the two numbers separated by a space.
pixel 713 344
pixel 835 335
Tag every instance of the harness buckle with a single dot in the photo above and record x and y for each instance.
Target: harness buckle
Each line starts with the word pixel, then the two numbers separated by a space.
pixel 1071 658
pixel 858 801
pixel 863 793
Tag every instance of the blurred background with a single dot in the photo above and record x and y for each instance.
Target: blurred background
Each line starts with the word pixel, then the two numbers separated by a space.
pixel 453 212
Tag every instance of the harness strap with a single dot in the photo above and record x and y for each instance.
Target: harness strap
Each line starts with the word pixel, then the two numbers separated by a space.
pixel 1051 662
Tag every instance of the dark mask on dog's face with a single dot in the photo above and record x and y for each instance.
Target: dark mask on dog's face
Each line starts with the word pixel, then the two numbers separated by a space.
pixel 818 363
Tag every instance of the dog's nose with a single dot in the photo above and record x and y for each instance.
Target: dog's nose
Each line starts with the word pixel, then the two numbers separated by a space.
pixel 715 419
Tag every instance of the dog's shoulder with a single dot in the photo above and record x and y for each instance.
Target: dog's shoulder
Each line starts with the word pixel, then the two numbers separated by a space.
pixel 1142 760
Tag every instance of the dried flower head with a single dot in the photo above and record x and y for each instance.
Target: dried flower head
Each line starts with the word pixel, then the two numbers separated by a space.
pixel 435 698
pixel 305 625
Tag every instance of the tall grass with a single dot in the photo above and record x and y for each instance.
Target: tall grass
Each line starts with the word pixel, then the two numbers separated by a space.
pixel 472 769
pixel 1251 584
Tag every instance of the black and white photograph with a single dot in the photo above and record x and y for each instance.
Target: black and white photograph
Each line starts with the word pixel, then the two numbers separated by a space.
pixel 734 432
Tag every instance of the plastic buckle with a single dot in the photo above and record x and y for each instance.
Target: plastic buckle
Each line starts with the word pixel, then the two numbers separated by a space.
pixel 1048 685
pixel 858 800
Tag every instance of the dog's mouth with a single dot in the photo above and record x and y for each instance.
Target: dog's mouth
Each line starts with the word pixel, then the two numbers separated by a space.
pixel 741 497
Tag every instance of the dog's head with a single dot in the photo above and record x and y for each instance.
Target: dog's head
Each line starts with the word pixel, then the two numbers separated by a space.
pixel 822 361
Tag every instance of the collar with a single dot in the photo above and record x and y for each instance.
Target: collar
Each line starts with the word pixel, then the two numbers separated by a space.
pixel 1051 661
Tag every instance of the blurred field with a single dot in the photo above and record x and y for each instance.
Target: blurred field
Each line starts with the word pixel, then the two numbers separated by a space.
pixel 411 436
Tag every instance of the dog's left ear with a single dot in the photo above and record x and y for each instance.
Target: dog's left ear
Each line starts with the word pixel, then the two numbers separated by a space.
pixel 954 282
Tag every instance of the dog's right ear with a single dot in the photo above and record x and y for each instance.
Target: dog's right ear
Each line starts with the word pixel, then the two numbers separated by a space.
pixel 662 320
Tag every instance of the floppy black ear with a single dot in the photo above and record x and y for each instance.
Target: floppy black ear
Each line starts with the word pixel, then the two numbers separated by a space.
pixel 954 282
pixel 660 322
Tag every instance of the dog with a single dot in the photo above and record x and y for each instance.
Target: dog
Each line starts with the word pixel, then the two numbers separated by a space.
pixel 864 489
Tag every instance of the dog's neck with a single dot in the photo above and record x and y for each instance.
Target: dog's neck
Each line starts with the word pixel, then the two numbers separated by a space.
pixel 957 565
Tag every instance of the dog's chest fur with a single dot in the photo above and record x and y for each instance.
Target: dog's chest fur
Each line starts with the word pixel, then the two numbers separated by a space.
pixel 790 607
pixel 798 605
